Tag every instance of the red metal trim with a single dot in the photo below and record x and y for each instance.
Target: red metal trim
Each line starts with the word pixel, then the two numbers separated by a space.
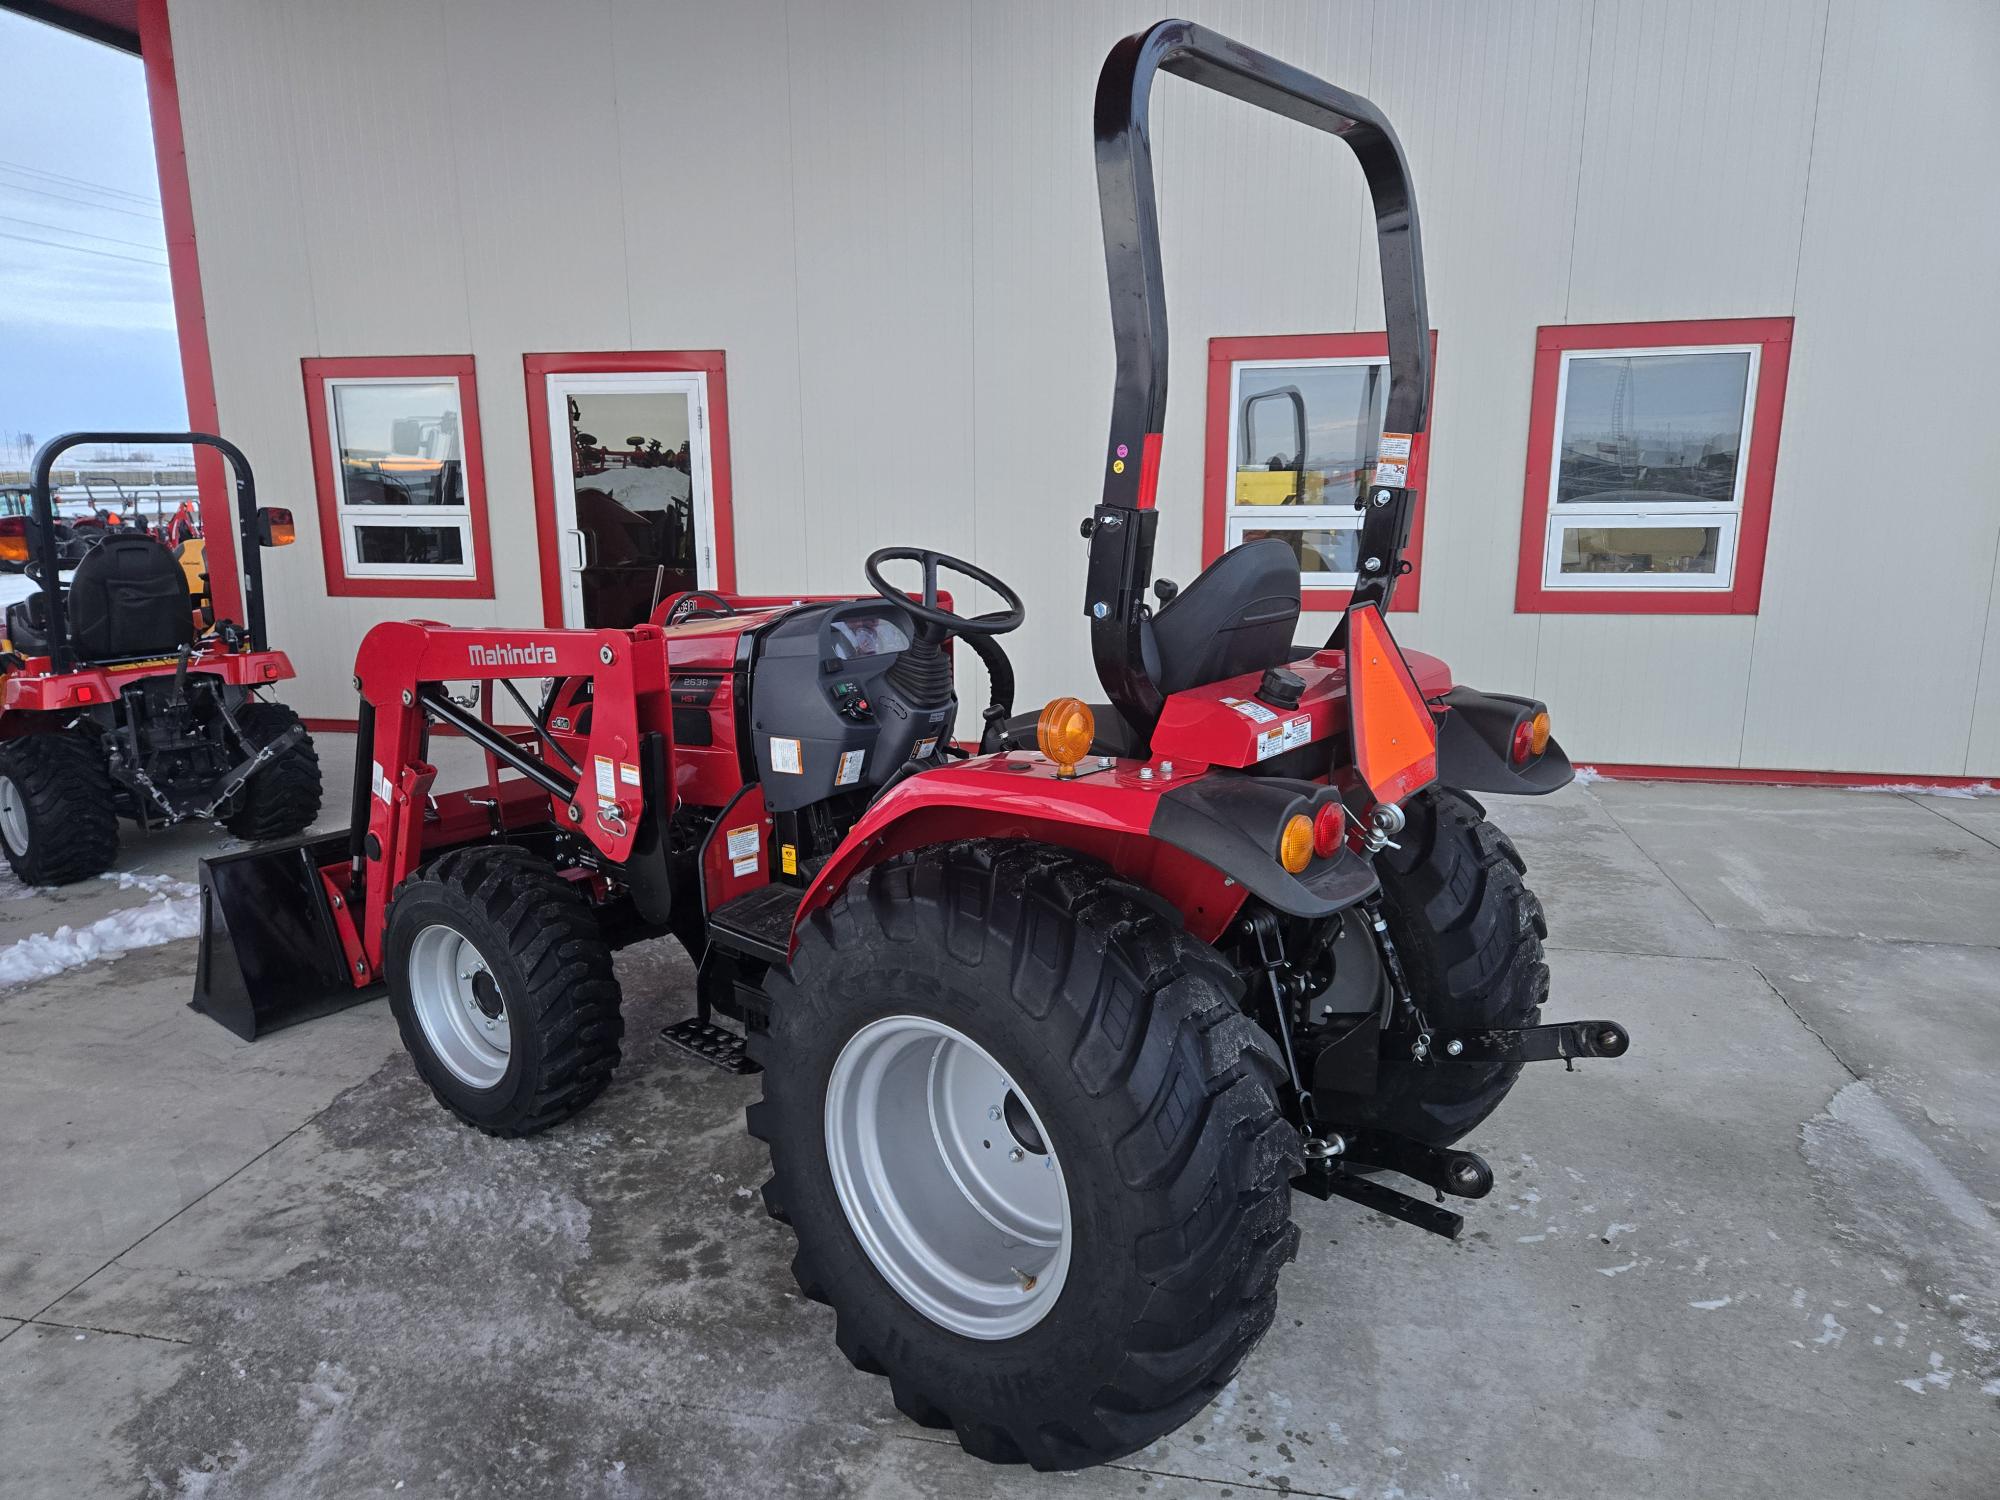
pixel 1739 774
pixel 1149 470
pixel 33 689
pixel 218 499
pixel 539 367
pixel 1753 531
pixel 1224 352
pixel 338 583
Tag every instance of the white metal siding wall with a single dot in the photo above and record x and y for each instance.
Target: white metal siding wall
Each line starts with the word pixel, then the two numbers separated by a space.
pixel 885 214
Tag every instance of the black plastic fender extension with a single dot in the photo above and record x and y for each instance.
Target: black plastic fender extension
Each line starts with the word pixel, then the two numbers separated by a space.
pixel 1475 736
pixel 1232 822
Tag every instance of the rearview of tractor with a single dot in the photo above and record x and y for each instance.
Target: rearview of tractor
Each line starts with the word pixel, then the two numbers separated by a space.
pixel 119 697
pixel 1054 1034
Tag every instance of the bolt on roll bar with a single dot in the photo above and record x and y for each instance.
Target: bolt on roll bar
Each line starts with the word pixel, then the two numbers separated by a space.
pixel 47 564
pixel 1122 526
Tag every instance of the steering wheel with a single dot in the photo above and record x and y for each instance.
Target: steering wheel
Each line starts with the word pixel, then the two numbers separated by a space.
pixel 928 611
pixel 687 604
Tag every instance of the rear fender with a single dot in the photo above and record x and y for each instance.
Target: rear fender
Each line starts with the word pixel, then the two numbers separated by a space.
pixel 1473 740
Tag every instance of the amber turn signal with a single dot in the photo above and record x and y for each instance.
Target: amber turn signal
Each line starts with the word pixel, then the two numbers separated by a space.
pixel 1538 737
pixel 1064 731
pixel 1295 844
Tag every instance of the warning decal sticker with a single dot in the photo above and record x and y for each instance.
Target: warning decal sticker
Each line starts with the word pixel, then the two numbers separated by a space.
pixel 785 757
pixel 850 767
pixel 1256 713
pixel 607 778
pixel 744 849
pixel 1279 738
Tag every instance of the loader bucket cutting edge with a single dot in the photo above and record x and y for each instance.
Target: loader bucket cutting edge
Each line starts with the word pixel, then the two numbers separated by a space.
pixel 270 955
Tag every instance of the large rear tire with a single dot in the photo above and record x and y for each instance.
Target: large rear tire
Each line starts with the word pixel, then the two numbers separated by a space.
pixel 502 987
pixel 57 821
pixel 1031 1149
pixel 1469 933
pixel 283 797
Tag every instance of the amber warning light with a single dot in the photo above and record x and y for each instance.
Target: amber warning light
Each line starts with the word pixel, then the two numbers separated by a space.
pixel 1064 731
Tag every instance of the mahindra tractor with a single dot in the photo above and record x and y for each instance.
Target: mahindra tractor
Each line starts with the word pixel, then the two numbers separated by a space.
pixel 1054 1032
pixel 121 695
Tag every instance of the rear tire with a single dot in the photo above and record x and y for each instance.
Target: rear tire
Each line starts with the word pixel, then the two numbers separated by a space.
pixel 1153 1096
pixel 1469 933
pixel 283 798
pixel 57 821
pixel 502 987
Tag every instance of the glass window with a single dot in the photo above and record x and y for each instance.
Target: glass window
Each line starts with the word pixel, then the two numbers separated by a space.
pixel 399 466
pixel 1647 484
pixel 1303 441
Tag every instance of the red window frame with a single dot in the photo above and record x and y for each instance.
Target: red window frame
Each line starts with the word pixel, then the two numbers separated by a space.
pixel 1742 597
pixel 539 367
pixel 339 582
pixel 1223 354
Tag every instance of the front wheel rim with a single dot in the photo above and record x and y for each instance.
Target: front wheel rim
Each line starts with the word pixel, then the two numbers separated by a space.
pixel 948 1177
pixel 458 1004
pixel 13 815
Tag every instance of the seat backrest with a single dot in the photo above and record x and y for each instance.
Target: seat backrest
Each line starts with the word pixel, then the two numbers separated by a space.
pixel 129 598
pixel 1237 616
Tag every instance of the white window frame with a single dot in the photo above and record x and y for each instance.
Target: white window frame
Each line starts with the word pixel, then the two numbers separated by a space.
pixel 1726 516
pixel 1240 518
pixel 350 518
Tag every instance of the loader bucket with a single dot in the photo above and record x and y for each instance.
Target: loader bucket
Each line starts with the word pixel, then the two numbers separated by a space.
pixel 270 955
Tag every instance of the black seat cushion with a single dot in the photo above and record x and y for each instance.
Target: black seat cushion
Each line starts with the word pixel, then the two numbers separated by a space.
pixel 1236 617
pixel 129 598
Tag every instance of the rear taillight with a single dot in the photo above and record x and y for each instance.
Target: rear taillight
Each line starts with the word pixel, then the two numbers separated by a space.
pixel 1524 742
pixel 1329 825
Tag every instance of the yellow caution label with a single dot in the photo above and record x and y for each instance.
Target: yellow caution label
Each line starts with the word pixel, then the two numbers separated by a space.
pixel 788 857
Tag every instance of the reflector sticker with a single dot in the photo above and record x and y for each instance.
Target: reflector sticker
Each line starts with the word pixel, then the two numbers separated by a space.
pixel 850 767
pixel 1256 713
pixel 1294 732
pixel 607 778
pixel 789 856
pixel 743 848
pixel 785 757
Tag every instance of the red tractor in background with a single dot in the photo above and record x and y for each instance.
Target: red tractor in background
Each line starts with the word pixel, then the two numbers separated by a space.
pixel 1051 1033
pixel 116 701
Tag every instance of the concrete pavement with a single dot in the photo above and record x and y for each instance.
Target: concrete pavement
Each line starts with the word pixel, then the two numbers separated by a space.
pixel 1757 1256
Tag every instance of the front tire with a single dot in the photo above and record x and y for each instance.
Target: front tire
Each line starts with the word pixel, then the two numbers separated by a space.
pixel 1469 933
pixel 1083 1259
pixel 283 797
pixel 57 820
pixel 502 987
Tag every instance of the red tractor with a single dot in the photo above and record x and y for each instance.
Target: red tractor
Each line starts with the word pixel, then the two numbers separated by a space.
pixel 1053 1033
pixel 116 696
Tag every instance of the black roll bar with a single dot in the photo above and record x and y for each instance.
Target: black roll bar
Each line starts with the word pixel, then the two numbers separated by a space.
pixel 1122 526
pixel 43 537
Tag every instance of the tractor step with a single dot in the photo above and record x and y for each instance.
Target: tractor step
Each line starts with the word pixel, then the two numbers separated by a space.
pixel 758 924
pixel 711 1043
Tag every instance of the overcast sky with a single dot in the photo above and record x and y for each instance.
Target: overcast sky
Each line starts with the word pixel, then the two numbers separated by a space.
pixel 86 317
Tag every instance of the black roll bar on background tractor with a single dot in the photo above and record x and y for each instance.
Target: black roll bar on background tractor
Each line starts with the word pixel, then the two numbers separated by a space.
pixel 1122 526
pixel 42 541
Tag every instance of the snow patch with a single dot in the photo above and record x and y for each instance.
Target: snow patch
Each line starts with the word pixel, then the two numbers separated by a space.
pixel 1924 789
pixel 174 912
pixel 1713 1306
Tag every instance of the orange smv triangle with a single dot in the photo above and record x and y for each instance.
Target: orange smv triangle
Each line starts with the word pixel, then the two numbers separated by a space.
pixel 1395 739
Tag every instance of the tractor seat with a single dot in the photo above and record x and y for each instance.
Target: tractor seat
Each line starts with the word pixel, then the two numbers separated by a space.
pixel 128 598
pixel 1236 617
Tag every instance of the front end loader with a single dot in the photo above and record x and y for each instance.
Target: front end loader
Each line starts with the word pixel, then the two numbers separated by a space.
pixel 1054 1031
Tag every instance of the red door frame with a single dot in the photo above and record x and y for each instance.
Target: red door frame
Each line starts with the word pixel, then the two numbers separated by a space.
pixel 540 367
pixel 1753 530
pixel 1217 465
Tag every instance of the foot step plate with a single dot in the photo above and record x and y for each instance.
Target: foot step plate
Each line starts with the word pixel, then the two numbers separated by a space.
pixel 711 1043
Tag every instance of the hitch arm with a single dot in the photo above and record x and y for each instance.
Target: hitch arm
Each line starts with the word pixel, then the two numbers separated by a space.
pixel 1563 1042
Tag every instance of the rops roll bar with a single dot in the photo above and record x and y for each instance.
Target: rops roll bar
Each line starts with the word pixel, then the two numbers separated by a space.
pixel 1122 526
pixel 43 538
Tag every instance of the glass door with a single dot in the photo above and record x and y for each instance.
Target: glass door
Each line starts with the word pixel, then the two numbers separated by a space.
pixel 634 508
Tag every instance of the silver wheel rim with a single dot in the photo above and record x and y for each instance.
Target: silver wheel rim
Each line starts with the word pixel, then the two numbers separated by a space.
pixel 449 979
pixel 13 816
pixel 932 1147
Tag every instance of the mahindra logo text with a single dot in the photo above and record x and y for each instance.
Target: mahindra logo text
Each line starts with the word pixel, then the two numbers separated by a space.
pixel 512 656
